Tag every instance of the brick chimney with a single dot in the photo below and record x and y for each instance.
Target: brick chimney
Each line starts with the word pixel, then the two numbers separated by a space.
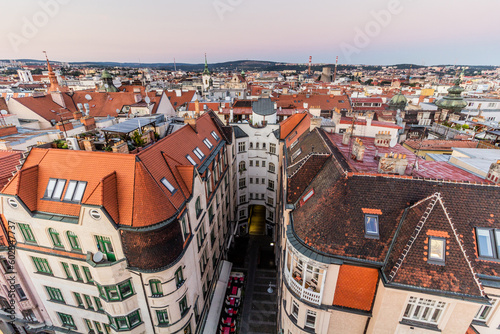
pixel 89 145
pixel 382 139
pixel 89 122
pixel 358 150
pixel 58 98
pixel 66 127
pixel 315 123
pixel 494 172
pixel 192 122
pixel 120 147
pixel 393 163
pixel 346 137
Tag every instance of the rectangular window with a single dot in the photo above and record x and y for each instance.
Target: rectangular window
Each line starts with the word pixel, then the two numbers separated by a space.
pixel 191 160
pixel 88 275
pixel 55 294
pixel 66 320
pixel 73 241
pixel 78 298
pixel 310 319
pixel 241 147
pixel 98 304
pixel 88 301
pixel 251 180
pixel 88 323
pixel 208 143
pixel 66 270
pixel 98 327
pixel 134 319
pixel 296 154
pixel 263 164
pixel 179 277
pixel 20 292
pixel 250 163
pixel 54 189
pixel 199 153
pixel 216 137
pixel 162 316
pixel 270 200
pixel 75 191
pixel 437 250
pixel 256 180
pixel 272 148
pixel 243 199
pixel 295 310
pixel 257 163
pixel 183 305
pixel 27 233
pixel 78 275
pixel 42 265
pixel 270 184
pixel 242 183
pixel 125 289
pixel 169 186
pixel 484 312
pixel 424 310
pixel 371 226
pixel 104 245
pixel 112 293
pixel 487 241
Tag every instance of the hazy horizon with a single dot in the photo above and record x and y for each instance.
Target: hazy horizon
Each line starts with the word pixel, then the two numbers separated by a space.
pixel 377 32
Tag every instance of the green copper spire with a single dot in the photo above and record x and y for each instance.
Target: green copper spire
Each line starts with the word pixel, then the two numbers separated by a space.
pixel 454 100
pixel 206 71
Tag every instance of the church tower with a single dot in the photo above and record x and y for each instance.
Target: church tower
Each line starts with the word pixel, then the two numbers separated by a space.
pixel 54 85
pixel 206 76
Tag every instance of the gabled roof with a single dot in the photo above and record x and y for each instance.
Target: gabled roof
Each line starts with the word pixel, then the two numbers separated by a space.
pixel 8 162
pixel 289 124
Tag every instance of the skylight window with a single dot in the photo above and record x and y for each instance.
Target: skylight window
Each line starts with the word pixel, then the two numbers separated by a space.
pixel 296 154
pixel 191 160
pixel 168 185
pixel 75 191
pixel 199 153
pixel 208 143
pixel 436 250
pixel 371 226
pixel 54 189
pixel 215 136
pixel 308 196
pixel 488 242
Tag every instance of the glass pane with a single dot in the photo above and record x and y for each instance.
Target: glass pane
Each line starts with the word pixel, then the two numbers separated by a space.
pixel 50 188
pixel 70 191
pixel 371 225
pixel 484 243
pixel 80 189
pixel 436 249
pixel 59 189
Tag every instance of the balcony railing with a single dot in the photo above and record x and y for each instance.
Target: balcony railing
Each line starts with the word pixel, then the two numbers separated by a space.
pixel 303 292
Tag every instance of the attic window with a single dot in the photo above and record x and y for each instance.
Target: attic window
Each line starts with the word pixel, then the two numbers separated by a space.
pixel 215 136
pixel 371 226
pixel 436 250
pixel 488 242
pixel 54 189
pixel 199 153
pixel 308 196
pixel 75 190
pixel 208 143
pixel 296 154
pixel 191 160
pixel 168 185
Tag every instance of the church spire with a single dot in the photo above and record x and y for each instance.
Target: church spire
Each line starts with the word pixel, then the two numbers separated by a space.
pixel 206 71
pixel 54 85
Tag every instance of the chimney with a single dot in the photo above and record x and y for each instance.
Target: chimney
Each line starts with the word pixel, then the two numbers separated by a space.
pixel 64 126
pixel 58 98
pixel 382 139
pixel 358 150
pixel 120 147
pixel 89 145
pixel 6 130
pixel 315 123
pixel 137 98
pixel 89 122
pixel 197 107
pixel 494 172
pixel 346 137
pixel 393 163
pixel 231 115
pixel 192 122
pixel 369 118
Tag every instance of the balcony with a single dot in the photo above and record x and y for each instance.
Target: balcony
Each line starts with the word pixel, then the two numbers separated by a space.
pixel 306 290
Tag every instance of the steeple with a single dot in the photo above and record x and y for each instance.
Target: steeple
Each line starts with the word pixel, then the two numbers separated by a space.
pixel 107 83
pixel 54 85
pixel 206 71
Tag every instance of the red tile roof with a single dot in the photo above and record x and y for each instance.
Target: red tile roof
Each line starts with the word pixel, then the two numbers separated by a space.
pixel 356 287
pixel 291 123
pixel 8 162
pixel 440 145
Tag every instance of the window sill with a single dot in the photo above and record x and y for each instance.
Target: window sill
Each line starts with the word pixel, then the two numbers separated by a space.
pixel 418 324
pixel 480 323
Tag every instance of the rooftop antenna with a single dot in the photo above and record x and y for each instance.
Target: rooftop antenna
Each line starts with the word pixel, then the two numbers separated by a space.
pixel 335 72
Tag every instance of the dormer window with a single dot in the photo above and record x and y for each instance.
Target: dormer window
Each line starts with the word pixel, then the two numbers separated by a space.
pixel 371 226
pixel 75 191
pixel 54 189
pixel 488 242
pixel 199 153
pixel 191 160
pixel 437 250
pixel 208 143
pixel 168 185
pixel 215 136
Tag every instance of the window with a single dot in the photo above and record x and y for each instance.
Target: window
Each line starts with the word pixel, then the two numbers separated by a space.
pixel 242 166
pixel 257 145
pixel 66 320
pixel 42 265
pixel 125 289
pixel 243 199
pixel 104 246
pixel 191 160
pixel 488 242
pixel 310 319
pixel 216 137
pixel 270 184
pixel 20 292
pixel 54 189
pixel 55 294
pixel 78 298
pixel 371 226
pixel 208 143
pixel 263 181
pixel 272 168
pixel 179 277
pixel 169 186
pixel 250 163
pixel 264 146
pixel 56 240
pixel 75 191
pixel 128 322
pixel 66 270
pixel 296 154
pixel 241 147
pixel 272 148
pixel 436 250
pixel 484 312
pixel 98 327
pixel 162 316
pixel 98 304
pixel 294 143
pixel 198 207
pixel 242 183
pixel 26 232
pixel 95 214
pixel 89 325
pixel 250 145
pixel 183 306
pixel 256 180
pixel 270 200
pixel 12 202
pixel 88 275
pixel 263 164
pixel 262 196
pixel 73 241
pixel 425 310
pixel 295 309
pixel 156 289
pixel 88 302
pixel 251 180
pixel 184 227
pixel 78 275
pixel 257 163
pixel 198 153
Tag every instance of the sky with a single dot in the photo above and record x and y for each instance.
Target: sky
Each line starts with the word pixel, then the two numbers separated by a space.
pixel 374 32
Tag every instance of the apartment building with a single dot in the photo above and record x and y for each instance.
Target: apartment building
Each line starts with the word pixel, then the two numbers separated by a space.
pixel 134 243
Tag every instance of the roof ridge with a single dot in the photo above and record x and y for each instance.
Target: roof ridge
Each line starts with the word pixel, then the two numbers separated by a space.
pixel 410 177
pixel 434 198
pixel 460 243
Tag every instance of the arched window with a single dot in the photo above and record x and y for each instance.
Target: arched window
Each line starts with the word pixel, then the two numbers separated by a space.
pixel 198 207
pixel 272 168
pixel 56 240
pixel 242 166
pixel 156 289
pixel 73 241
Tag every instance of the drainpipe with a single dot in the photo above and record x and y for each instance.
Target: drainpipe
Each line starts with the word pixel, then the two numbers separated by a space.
pixel 147 302
pixel 366 326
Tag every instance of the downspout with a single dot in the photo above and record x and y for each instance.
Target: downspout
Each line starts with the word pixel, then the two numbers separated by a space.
pixel 366 326
pixel 147 302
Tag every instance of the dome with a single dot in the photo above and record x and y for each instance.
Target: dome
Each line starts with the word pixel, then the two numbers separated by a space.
pixel 454 99
pixel 398 99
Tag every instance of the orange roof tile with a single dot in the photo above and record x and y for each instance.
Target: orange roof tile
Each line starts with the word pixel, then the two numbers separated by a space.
pixel 290 123
pixel 356 287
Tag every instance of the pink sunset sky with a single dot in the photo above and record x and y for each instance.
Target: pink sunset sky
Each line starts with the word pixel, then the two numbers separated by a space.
pixel 358 31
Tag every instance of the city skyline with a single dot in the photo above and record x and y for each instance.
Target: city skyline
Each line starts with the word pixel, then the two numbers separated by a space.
pixel 375 33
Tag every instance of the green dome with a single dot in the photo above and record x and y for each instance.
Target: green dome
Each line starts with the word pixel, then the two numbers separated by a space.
pixel 105 74
pixel 454 100
pixel 398 99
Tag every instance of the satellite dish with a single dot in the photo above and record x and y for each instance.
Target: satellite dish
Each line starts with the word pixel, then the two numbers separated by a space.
pixel 106 85
pixel 117 111
pixel 88 97
pixel 98 257
pixel 147 99
pixel 3 112
pixel 393 142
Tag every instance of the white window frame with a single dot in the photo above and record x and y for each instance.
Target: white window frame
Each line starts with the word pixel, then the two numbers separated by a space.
pixel 485 311
pixel 295 315
pixel 423 310
pixel 307 324
pixel 199 154
pixel 216 137
pixel 208 143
